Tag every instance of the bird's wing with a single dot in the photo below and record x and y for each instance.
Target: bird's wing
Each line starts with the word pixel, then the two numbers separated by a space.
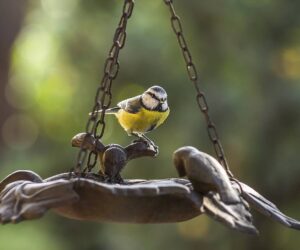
pixel 131 105
pixel 228 194
pixel 207 174
pixel 235 216
pixel 264 206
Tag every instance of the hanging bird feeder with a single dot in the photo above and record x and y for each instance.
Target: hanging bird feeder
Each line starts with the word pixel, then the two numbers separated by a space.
pixel 210 187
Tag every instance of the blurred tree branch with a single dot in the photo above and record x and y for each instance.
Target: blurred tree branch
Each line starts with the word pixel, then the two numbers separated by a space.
pixel 11 19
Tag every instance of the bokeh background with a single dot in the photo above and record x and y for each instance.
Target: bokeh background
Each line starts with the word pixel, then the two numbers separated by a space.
pixel 248 56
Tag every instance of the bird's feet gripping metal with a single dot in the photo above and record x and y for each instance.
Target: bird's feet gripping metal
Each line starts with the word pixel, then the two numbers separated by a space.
pixel 149 143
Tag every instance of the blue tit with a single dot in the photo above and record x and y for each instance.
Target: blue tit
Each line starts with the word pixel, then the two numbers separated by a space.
pixel 143 113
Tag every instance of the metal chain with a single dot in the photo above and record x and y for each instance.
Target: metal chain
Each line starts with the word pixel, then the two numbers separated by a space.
pixel 193 76
pixel 103 95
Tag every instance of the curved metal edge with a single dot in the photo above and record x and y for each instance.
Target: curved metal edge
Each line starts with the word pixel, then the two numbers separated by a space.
pixel 19 175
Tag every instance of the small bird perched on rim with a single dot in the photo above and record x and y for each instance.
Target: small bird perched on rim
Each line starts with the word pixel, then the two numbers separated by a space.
pixel 143 113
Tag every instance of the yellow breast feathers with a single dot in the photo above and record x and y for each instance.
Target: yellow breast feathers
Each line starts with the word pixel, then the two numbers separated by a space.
pixel 141 122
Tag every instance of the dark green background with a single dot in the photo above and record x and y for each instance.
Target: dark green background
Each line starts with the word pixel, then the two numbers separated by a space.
pixel 248 56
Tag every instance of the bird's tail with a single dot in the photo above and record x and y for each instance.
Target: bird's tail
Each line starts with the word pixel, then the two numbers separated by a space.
pixel 108 111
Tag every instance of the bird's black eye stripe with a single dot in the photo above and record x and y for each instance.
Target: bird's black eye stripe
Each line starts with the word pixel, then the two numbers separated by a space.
pixel 153 96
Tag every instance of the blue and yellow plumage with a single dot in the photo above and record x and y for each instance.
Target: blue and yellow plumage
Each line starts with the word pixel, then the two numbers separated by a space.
pixel 141 114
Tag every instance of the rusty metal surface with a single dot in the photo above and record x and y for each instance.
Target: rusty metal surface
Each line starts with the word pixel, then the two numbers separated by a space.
pixel 86 198
pixel 25 196
pixel 161 201
pixel 134 201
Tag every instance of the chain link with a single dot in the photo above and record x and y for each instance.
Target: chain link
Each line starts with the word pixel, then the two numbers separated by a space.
pixel 193 76
pixel 103 94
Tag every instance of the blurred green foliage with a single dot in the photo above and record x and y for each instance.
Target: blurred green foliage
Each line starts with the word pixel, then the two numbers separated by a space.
pixel 248 55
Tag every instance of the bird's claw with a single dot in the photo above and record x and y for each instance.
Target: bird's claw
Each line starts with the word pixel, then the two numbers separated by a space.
pixel 156 151
pixel 150 144
pixel 155 148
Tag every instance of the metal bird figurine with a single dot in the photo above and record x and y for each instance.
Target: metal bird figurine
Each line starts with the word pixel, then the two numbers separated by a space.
pixel 205 173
